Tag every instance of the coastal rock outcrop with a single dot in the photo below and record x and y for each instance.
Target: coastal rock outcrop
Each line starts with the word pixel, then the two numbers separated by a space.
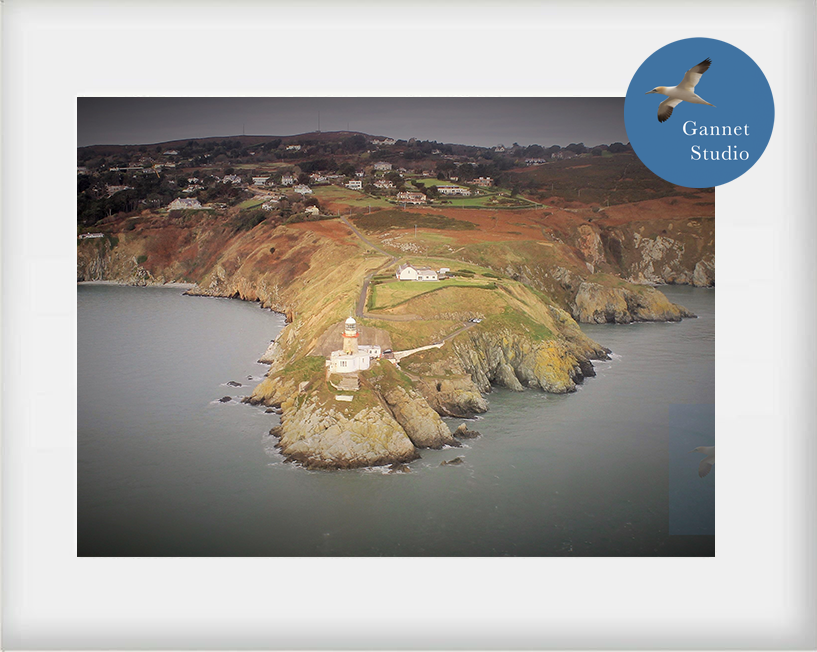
pixel 454 396
pixel 515 361
pixel 318 435
pixel 597 304
pixel 422 424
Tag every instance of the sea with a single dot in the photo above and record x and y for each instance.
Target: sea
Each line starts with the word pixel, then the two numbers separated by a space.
pixel 165 468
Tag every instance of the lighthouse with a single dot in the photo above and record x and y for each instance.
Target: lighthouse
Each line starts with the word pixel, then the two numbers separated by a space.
pixel 350 336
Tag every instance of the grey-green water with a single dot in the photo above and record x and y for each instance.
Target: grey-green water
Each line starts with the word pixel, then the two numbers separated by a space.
pixel 165 469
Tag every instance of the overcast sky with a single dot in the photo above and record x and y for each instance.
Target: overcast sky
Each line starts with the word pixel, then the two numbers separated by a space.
pixel 468 121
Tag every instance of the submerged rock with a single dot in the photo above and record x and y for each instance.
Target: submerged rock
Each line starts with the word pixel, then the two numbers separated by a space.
pixel 233 383
pixel 225 399
pixel 455 462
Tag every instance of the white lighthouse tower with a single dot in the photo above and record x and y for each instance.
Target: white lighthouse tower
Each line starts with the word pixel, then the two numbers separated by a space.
pixel 354 356
pixel 350 337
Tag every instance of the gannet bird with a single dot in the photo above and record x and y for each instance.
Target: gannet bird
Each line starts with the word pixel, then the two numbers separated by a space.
pixel 708 462
pixel 683 92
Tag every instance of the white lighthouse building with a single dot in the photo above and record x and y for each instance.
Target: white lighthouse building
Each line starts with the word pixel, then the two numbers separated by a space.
pixel 354 356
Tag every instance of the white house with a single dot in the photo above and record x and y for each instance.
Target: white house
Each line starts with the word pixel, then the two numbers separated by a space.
pixel 453 190
pixel 354 184
pixel 382 166
pixel 353 356
pixel 303 190
pixel 312 210
pixel 483 182
pixel 260 181
pixel 408 272
pixel 411 197
pixel 288 180
pixel 231 178
pixel 293 148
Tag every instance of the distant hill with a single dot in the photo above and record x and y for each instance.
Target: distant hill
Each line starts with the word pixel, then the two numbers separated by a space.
pixel 245 141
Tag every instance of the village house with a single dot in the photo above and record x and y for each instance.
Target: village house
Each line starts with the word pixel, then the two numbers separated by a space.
pixel 535 161
pixel 353 356
pixel 411 197
pixel 382 166
pixel 293 148
pixel 317 178
pixel 360 174
pixel 385 141
pixel 231 178
pixel 260 181
pixel 288 180
pixel 483 182
pixel 499 148
pixel 112 190
pixel 408 272
pixel 302 189
pixel 354 184
pixel 170 152
pixel 312 211
pixel 383 184
pixel 183 204
pixel 453 190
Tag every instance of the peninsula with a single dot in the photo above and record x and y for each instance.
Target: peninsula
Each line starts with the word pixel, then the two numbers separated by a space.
pixel 414 275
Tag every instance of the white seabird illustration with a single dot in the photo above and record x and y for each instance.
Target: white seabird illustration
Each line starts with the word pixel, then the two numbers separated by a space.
pixel 708 462
pixel 683 92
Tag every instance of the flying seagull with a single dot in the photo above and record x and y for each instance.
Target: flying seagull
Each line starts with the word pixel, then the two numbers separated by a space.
pixel 683 92
pixel 708 462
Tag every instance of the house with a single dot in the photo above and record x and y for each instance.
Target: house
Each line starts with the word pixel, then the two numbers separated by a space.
pixel 453 190
pixel 112 190
pixel 288 180
pixel 382 166
pixel 411 197
pixel 385 141
pixel 170 152
pixel 85 236
pixel 353 356
pixel 499 148
pixel 183 204
pixel 312 211
pixel 354 184
pixel 408 272
pixel 535 161
pixel 231 178
pixel 260 181
pixel 293 148
pixel 360 174
pixel 383 184
pixel 270 204
pixel 303 190
pixel 483 182
pixel 317 178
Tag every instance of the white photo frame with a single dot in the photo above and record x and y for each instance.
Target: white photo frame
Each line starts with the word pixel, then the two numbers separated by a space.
pixel 759 590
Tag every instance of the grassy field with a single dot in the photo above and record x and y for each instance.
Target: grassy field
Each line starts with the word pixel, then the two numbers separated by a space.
pixel 354 198
pixel 394 293
pixel 397 219
pixel 252 202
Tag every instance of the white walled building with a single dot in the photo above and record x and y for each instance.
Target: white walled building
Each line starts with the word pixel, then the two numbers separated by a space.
pixel 354 184
pixel 353 356
pixel 408 272
pixel 453 190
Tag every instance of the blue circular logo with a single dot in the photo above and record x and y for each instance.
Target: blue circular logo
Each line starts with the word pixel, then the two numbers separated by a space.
pixel 699 112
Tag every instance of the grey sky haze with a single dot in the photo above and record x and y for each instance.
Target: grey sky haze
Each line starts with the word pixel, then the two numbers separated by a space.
pixel 469 121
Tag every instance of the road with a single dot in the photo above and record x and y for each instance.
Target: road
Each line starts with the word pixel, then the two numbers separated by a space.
pixel 360 309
